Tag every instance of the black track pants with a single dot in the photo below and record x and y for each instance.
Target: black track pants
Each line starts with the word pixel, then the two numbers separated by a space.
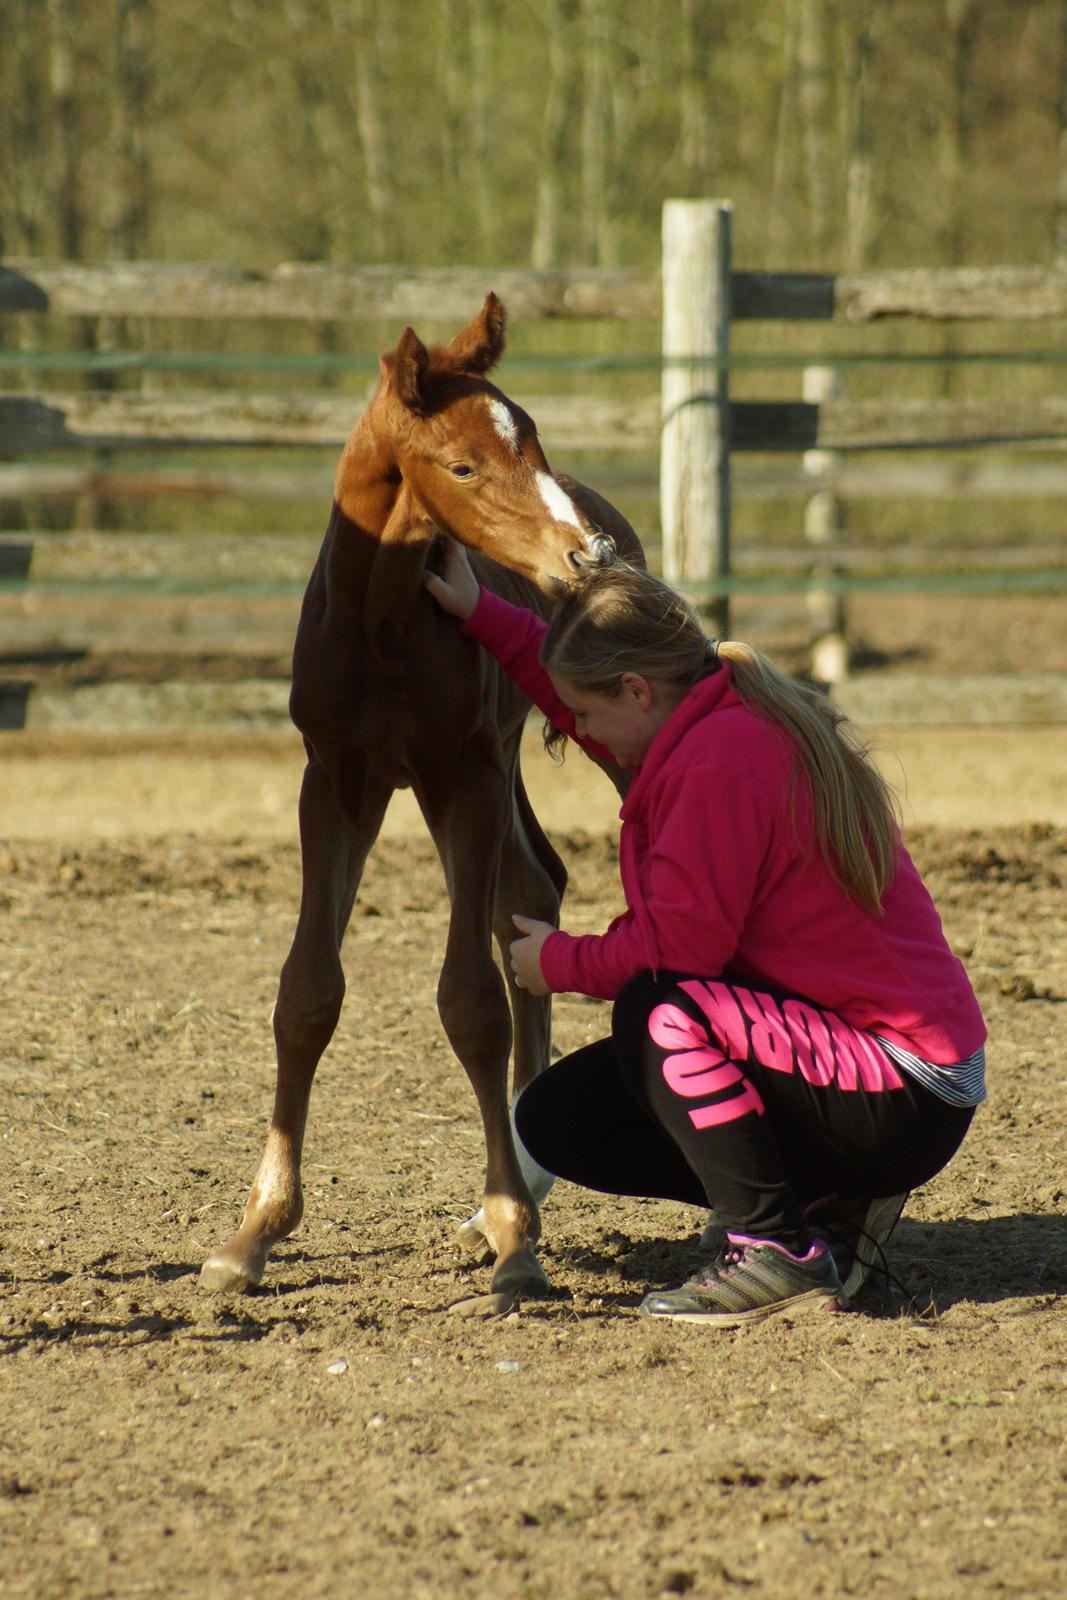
pixel 753 1104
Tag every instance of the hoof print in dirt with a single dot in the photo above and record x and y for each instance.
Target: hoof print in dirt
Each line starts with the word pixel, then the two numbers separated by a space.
pixel 485 1305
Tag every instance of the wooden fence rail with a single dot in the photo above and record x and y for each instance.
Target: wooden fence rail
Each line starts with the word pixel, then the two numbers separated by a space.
pixel 318 293
pixel 93 421
pixel 964 478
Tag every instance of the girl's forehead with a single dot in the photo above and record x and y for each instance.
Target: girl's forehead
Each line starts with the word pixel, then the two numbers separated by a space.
pixel 569 692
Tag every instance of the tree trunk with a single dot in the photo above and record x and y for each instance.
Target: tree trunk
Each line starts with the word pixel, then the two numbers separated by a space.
pixel 69 207
pixel 858 180
pixel 479 33
pixel 815 101
pixel 1059 241
pixel 595 117
pixel 545 246
pixel 450 70
pixel 961 17
pixel 694 99
pixel 370 126
pixel 25 187
pixel 779 233
pixel 133 86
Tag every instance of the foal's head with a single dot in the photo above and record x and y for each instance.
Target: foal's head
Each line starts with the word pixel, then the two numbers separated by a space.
pixel 473 459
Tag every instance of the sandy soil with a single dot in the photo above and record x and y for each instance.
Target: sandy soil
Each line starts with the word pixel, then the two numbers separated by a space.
pixel 336 1433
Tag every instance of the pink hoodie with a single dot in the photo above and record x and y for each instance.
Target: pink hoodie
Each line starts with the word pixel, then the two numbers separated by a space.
pixel 720 878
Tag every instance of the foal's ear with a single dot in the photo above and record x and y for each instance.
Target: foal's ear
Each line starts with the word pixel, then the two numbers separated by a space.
pixel 411 364
pixel 480 345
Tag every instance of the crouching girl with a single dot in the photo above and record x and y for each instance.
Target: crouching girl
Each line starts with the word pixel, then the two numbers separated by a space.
pixel 793 1043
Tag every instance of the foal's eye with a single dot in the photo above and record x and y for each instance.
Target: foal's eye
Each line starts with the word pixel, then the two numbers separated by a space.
pixel 460 469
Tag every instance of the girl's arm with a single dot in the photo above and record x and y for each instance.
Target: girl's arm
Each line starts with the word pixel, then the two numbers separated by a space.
pixel 510 633
pixel 708 842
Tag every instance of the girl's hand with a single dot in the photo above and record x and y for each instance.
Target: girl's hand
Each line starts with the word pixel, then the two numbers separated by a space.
pixel 455 589
pixel 526 954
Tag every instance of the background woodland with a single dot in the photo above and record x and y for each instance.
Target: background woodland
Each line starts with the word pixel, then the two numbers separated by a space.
pixel 537 133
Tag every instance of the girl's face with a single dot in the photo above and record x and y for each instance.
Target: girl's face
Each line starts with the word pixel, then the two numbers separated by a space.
pixel 626 722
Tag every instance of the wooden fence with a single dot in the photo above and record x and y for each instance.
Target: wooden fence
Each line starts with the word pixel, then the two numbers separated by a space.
pixel 699 430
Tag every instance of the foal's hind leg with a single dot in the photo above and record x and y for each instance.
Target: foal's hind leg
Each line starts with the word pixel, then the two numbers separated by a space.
pixel 334 849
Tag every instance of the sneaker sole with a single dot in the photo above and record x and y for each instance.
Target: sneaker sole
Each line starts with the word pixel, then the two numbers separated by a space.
pixel 804 1303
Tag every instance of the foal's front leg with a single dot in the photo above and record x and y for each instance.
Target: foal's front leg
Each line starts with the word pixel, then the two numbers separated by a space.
pixel 334 849
pixel 531 881
pixel 468 818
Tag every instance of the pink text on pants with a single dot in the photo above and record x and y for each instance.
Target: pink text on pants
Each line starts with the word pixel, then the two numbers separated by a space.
pixel 782 1036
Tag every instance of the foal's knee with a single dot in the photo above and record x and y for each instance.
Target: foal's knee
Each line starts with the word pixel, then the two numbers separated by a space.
pixel 476 1017
pixel 306 1012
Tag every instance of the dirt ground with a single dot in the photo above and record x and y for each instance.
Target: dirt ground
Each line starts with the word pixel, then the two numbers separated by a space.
pixel 336 1433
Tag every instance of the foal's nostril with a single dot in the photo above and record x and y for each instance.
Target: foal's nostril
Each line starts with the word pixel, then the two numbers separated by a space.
pixel 600 554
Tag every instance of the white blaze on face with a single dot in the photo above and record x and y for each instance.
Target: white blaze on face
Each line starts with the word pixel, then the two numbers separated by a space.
pixel 556 499
pixel 558 502
pixel 504 422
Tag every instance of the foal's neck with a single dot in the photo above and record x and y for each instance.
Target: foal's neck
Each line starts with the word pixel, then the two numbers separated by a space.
pixel 367 481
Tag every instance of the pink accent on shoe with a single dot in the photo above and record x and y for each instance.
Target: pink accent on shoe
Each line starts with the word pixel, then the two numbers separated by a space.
pixel 815 1248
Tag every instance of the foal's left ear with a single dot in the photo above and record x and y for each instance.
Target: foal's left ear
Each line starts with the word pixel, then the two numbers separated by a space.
pixel 480 345
pixel 411 364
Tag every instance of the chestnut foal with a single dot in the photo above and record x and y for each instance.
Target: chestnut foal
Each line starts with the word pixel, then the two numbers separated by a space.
pixel 388 694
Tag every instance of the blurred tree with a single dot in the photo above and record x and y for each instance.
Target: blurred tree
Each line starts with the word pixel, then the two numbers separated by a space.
pixel 133 81
pixel 961 18
pixel 479 32
pixel 594 229
pixel 554 145
pixel 816 106
pixel 23 186
pixel 696 27
pixel 1059 237
pixel 858 137
pixel 68 147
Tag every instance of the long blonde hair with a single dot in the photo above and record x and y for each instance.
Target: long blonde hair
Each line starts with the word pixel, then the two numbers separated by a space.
pixel 621 619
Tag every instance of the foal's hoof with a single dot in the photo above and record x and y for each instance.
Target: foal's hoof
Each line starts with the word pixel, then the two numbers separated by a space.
pixel 470 1235
pixel 522 1276
pixel 226 1272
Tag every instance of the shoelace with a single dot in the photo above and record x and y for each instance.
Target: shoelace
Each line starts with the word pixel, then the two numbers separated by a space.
pixel 731 1255
pixel 881 1269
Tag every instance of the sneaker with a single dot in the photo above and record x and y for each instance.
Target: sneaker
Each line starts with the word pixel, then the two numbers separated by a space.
pixel 749 1279
pixel 855 1231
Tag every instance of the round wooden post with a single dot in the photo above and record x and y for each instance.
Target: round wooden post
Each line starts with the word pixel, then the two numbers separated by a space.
pixel 824 522
pixel 695 440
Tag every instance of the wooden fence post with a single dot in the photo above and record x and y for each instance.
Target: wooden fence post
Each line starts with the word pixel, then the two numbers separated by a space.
pixel 695 438
pixel 824 521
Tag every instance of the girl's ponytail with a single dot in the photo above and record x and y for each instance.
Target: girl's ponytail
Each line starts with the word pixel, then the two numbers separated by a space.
pixel 855 809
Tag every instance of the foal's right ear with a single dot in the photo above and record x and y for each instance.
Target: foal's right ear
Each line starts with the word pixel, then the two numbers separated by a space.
pixel 411 365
